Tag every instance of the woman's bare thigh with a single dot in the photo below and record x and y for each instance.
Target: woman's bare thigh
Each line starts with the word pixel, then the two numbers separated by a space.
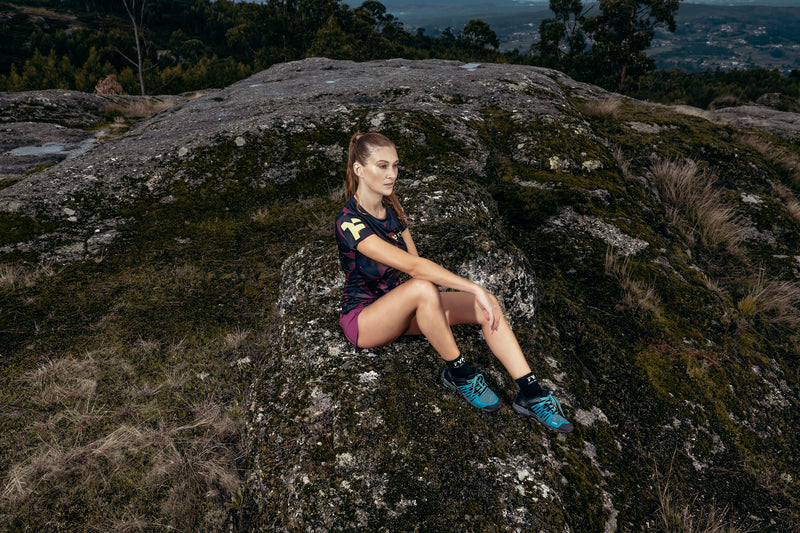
pixel 459 307
pixel 388 317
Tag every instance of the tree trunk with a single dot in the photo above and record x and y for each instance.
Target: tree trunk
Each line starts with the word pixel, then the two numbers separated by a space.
pixel 131 9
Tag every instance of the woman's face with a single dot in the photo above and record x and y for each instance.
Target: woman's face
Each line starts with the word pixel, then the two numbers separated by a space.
pixel 378 175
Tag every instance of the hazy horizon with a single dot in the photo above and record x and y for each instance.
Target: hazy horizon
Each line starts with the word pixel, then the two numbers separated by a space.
pixel 418 12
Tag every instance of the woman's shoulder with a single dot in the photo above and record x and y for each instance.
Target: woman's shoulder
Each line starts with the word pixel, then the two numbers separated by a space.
pixel 348 209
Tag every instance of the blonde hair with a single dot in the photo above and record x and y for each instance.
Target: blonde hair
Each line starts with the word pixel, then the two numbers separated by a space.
pixel 361 147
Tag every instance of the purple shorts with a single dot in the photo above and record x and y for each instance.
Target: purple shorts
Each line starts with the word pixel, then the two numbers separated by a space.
pixel 349 323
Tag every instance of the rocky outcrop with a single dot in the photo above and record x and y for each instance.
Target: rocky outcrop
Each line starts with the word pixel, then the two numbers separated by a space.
pixel 537 186
pixel 40 128
pixel 375 432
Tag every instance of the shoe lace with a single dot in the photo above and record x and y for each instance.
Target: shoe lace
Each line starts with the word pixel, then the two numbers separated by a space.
pixel 548 407
pixel 474 388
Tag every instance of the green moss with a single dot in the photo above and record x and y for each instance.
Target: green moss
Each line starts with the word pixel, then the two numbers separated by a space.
pixel 16 228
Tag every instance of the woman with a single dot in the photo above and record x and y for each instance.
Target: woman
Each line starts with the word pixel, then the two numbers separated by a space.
pixel 375 246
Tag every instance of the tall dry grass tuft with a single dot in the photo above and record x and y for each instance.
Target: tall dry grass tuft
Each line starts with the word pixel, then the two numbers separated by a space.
pixel 772 302
pixel 14 275
pixel 636 295
pixel 790 202
pixel 624 163
pixel 606 108
pixel 693 203
pixel 236 339
pixel 676 514
pixel 68 378
pixel 783 157
pixel 194 464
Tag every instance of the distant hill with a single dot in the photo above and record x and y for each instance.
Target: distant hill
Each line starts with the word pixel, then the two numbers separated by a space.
pixel 708 36
pixel 726 37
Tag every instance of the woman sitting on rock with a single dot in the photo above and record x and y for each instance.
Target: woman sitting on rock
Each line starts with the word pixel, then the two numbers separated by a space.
pixel 375 246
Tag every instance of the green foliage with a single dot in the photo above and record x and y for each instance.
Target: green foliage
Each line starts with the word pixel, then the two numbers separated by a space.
pixel 478 33
pixel 564 32
pixel 203 43
pixel 704 89
pixel 620 33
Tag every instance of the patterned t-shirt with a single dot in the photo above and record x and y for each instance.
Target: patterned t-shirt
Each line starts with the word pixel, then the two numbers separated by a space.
pixel 366 280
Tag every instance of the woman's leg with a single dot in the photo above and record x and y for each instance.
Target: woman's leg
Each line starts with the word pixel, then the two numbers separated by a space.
pixel 460 308
pixel 389 316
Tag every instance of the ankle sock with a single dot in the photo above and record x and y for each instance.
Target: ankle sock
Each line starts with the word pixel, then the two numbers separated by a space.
pixel 459 368
pixel 529 387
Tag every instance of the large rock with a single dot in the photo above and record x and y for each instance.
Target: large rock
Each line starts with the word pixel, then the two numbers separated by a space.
pixel 346 440
pixel 542 189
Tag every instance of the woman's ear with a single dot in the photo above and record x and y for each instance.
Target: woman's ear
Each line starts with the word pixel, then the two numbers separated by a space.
pixel 357 168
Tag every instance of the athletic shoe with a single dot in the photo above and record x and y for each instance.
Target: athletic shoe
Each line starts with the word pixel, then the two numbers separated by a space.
pixel 545 409
pixel 474 389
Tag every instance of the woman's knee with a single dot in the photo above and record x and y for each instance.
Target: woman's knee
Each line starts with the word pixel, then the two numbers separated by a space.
pixel 425 291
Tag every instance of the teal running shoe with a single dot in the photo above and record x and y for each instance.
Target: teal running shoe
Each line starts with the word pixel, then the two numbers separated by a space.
pixel 545 409
pixel 474 389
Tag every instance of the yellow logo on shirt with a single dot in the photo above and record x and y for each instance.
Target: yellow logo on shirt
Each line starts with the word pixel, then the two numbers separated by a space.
pixel 354 227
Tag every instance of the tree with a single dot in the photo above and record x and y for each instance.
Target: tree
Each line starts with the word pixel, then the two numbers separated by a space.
pixel 562 38
pixel 479 34
pixel 130 8
pixel 621 33
pixel 332 42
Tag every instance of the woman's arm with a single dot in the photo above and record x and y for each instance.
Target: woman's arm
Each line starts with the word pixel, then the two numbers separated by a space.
pixel 418 267
pixel 412 248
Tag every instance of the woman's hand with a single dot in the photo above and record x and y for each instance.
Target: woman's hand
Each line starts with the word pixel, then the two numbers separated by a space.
pixel 489 306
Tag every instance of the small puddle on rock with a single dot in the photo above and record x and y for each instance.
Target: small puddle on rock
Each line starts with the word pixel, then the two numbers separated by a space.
pixel 68 149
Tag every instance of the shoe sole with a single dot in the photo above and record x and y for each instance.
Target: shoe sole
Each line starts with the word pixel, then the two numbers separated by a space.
pixel 525 412
pixel 488 409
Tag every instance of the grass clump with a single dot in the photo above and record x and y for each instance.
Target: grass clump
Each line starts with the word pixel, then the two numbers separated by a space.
pixel 694 204
pixel 14 275
pixel 771 302
pixel 138 108
pixel 676 515
pixel 608 108
pixel 785 158
pixel 637 295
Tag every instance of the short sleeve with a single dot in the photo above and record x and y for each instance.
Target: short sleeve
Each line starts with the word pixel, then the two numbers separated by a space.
pixel 351 229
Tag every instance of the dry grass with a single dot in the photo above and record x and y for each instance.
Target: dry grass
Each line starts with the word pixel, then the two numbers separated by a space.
pixel 59 380
pixel 624 163
pixel 771 302
pixel 15 275
pixel 636 295
pixel 140 107
pixel 693 203
pixel 786 159
pixel 607 108
pixel 690 111
pixel 790 202
pixel 179 463
pixel 236 339
pixel 106 426
pixel 710 283
pixel 727 100
pixel 676 514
